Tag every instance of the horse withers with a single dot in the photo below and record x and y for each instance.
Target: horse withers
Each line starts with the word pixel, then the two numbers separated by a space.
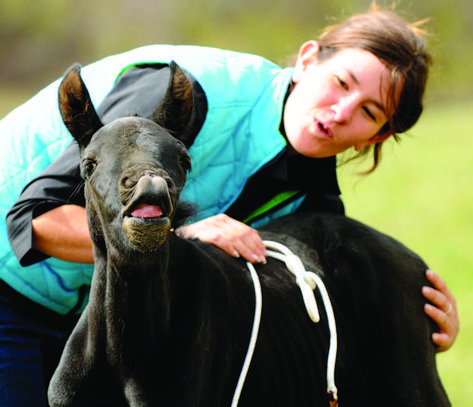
pixel 169 319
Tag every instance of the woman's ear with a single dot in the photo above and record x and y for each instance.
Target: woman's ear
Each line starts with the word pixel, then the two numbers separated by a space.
pixel 308 54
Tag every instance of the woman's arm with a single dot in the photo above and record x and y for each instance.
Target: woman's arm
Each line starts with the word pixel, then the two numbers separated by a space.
pixel 63 233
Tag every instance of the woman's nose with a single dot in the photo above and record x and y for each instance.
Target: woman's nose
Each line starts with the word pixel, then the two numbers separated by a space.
pixel 343 110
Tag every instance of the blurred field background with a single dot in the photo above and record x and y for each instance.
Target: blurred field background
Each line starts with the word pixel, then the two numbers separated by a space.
pixel 422 193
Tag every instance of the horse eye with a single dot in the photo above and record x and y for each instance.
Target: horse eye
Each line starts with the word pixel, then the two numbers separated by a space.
pixel 185 163
pixel 88 167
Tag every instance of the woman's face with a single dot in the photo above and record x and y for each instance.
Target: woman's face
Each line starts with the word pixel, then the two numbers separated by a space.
pixel 337 103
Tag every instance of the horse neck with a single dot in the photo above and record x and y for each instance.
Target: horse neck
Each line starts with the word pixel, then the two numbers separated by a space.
pixel 131 291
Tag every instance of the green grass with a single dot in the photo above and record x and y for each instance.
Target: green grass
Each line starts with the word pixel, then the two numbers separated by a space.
pixel 422 194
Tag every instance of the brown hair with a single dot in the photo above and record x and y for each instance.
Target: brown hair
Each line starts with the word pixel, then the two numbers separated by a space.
pixel 401 47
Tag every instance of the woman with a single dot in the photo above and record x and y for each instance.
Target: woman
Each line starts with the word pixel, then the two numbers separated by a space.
pixel 264 140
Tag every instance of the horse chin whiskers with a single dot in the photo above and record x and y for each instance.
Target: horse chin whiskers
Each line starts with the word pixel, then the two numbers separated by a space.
pixel 147 235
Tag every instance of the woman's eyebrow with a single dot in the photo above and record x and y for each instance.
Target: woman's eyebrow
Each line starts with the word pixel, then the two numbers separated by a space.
pixel 376 102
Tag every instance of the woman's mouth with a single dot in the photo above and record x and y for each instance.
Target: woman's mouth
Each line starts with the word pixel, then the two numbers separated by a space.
pixel 324 130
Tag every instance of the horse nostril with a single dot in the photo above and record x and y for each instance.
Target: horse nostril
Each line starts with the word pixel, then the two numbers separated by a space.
pixel 127 182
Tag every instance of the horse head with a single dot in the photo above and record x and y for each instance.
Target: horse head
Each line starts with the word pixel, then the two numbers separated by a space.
pixel 133 168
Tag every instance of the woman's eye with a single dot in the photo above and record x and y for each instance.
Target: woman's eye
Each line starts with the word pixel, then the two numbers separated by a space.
pixel 341 82
pixel 369 114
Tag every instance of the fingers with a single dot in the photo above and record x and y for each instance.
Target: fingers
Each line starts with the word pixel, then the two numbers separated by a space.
pixel 440 285
pixel 443 341
pixel 233 237
pixel 443 311
pixel 446 335
pixel 238 239
pixel 439 299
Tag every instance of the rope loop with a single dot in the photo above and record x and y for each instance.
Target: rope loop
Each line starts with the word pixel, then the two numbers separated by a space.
pixel 307 282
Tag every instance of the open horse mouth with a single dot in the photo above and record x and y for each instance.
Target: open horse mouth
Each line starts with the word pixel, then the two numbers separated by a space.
pixel 146 217
pixel 147 211
pixel 149 199
pixel 146 234
pixel 146 226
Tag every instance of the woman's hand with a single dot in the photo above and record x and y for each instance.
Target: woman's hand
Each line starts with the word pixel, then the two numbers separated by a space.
pixel 233 237
pixel 443 312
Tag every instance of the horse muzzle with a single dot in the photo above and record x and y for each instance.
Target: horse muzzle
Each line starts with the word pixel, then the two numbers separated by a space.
pixel 147 213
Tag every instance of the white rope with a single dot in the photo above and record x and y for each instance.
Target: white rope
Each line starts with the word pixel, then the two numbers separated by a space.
pixel 332 353
pixel 254 334
pixel 307 282
pixel 304 279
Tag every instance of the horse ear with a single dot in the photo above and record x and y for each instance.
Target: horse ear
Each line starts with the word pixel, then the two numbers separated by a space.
pixel 175 113
pixel 77 110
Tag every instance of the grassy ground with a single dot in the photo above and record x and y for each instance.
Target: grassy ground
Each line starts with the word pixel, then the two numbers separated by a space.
pixel 423 195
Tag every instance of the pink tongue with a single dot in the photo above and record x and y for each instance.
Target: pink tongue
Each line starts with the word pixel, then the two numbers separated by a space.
pixel 147 211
